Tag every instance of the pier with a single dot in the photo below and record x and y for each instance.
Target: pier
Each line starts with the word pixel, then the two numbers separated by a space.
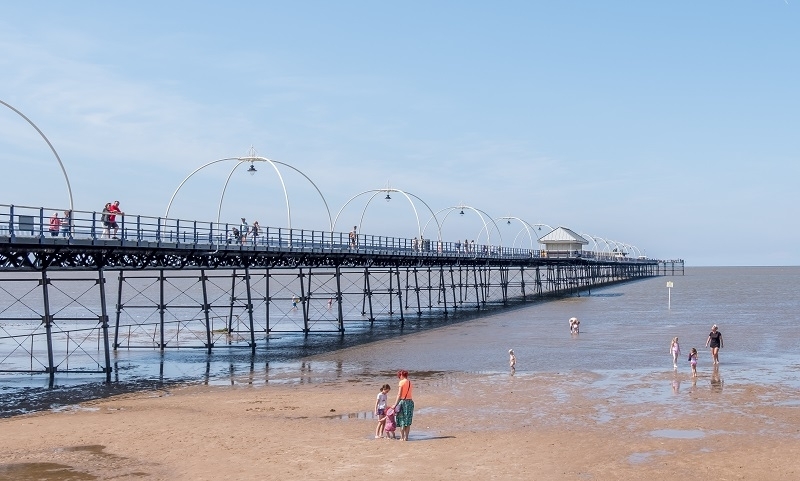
pixel 69 300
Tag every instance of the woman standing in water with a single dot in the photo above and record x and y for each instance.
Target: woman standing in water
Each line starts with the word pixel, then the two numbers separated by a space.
pixel 714 341
pixel 675 350
pixel 404 405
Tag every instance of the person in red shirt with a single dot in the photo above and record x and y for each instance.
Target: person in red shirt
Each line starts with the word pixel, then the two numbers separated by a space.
pixel 112 218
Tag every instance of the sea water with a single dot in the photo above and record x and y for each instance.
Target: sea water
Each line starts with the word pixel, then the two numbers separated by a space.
pixel 626 331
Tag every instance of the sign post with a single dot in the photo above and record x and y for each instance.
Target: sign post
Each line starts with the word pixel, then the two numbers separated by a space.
pixel 669 294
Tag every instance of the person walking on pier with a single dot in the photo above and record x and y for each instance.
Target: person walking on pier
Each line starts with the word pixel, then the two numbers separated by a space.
pixel 55 225
pixel 114 211
pixel 244 229
pixel 254 232
pixel 66 224
pixel 675 350
pixel 714 341
pixel 512 360
pixel 353 237
pixel 106 233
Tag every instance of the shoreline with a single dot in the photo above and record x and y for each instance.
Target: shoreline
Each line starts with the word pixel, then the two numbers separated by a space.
pixel 576 425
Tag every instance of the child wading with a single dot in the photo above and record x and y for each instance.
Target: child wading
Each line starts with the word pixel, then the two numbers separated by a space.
pixel 380 411
pixel 693 361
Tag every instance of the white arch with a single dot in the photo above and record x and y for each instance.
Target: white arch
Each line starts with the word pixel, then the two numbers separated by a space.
pixel 252 159
pixel 388 190
pixel 481 215
pixel 63 170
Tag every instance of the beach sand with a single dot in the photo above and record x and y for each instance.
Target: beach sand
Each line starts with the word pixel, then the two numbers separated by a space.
pixel 552 426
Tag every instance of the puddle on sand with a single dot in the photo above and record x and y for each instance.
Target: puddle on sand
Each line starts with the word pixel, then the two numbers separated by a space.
pixel 639 458
pixel 42 472
pixel 678 433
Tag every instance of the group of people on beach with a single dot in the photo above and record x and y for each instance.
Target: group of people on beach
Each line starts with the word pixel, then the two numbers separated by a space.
pixel 398 415
pixel 714 342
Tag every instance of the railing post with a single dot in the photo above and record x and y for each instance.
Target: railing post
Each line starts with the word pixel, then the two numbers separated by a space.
pixel 211 233
pixel 139 228
pixel 41 224
pixel 158 230
pixel 11 222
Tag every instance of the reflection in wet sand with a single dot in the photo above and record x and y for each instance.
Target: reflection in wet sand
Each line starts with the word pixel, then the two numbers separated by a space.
pixel 42 472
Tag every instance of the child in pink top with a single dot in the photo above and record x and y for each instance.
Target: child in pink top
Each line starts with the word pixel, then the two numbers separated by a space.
pixel 389 423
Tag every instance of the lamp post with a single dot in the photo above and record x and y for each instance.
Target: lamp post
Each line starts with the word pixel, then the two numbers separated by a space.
pixel 58 159
pixel 527 227
pixel 252 159
pixel 481 214
pixel 375 192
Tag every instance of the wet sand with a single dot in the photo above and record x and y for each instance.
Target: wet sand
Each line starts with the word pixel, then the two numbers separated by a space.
pixel 573 425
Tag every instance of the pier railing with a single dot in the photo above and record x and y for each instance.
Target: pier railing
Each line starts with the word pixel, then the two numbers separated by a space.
pixel 31 225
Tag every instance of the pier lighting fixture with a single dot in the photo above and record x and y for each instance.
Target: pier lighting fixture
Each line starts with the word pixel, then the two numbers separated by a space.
pixel 462 212
pixel 252 169
pixel 388 197
pixel 509 223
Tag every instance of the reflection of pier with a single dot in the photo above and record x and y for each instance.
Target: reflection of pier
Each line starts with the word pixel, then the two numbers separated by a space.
pixel 69 301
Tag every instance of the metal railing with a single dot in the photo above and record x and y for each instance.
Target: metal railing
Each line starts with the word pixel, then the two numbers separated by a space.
pixel 24 224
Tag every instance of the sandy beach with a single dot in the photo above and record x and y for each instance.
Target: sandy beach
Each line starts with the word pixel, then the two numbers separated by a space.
pixel 576 425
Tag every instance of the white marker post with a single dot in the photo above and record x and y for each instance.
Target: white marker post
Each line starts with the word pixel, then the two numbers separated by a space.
pixel 669 294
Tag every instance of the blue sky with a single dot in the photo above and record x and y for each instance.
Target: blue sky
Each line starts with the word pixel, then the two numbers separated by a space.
pixel 671 126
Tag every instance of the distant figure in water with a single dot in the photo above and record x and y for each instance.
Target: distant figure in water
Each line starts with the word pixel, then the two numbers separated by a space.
pixel 512 360
pixel 714 341
pixel 693 361
pixel 675 350
pixel 574 325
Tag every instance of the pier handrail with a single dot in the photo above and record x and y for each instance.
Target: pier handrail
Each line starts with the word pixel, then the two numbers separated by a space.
pixel 26 224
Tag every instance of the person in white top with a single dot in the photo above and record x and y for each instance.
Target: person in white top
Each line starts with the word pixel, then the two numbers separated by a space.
pixel 380 410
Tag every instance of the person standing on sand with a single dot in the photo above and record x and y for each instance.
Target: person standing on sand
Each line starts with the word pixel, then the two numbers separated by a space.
pixel 404 405
pixel 675 350
pixel 380 410
pixel 714 341
pixel 512 360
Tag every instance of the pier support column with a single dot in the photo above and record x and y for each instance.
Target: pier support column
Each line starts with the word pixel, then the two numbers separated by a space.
pixel 101 283
pixel 47 320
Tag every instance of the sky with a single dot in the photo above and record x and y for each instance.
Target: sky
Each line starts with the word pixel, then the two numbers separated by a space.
pixel 669 126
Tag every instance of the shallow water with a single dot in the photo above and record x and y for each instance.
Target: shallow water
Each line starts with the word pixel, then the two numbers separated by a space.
pixel 622 349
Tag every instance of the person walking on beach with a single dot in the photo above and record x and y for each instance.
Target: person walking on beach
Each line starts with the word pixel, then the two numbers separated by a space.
pixel 55 225
pixel 512 360
pixel 675 350
pixel 693 361
pixel 714 341
pixel 380 410
pixel 404 405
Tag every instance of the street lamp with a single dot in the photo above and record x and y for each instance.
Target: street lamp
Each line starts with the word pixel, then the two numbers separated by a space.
pixel 251 159
pixel 387 189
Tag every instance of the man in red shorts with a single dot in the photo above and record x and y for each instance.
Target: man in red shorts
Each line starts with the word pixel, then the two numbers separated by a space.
pixel 112 218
